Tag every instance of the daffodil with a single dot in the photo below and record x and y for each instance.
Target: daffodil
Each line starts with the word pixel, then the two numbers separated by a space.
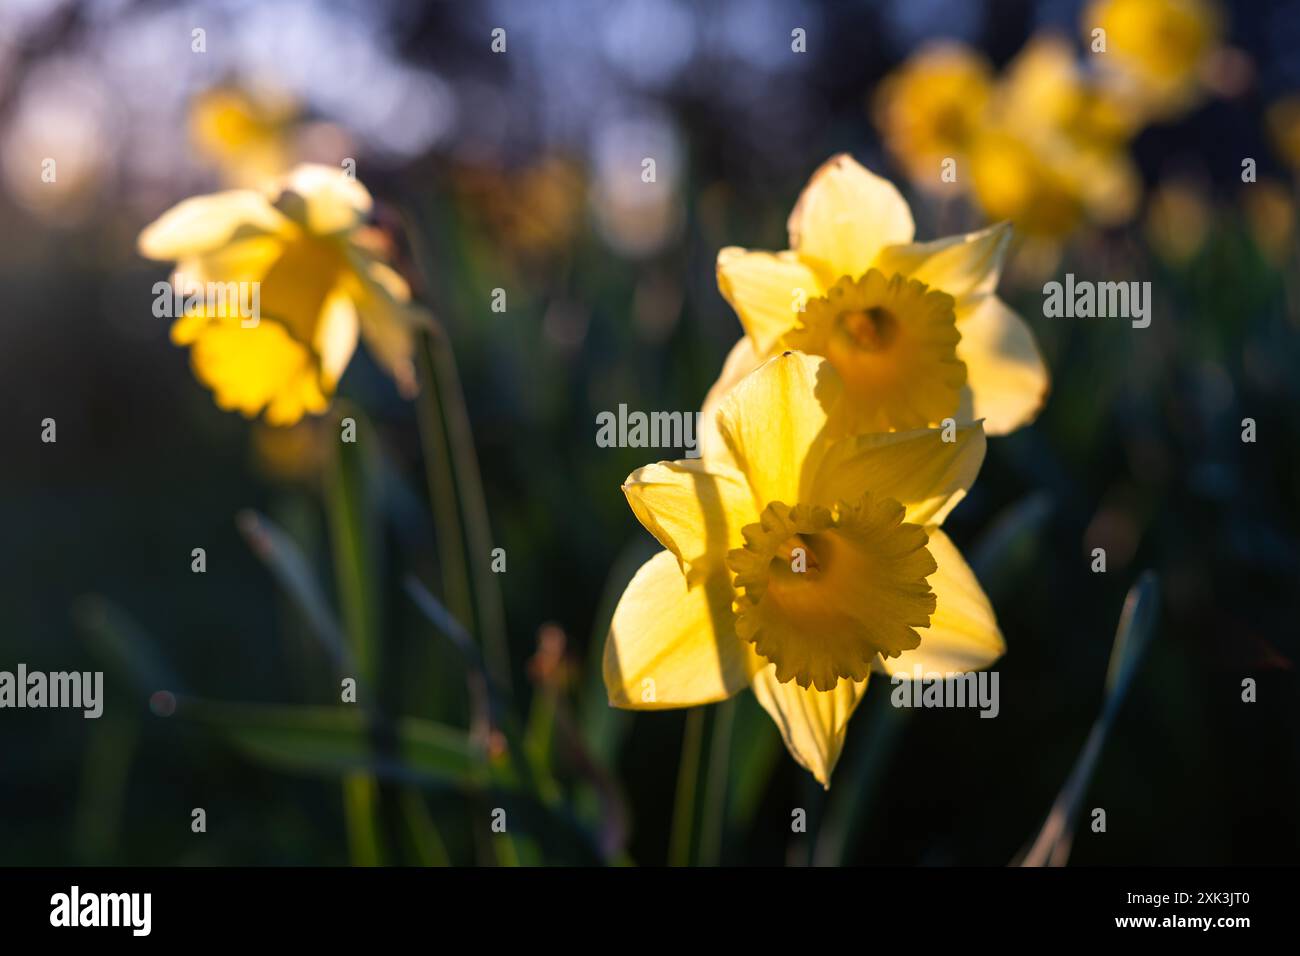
pixel 246 134
pixel 1156 50
pixel 801 563
pixel 931 108
pixel 1052 152
pixel 322 280
pixel 913 329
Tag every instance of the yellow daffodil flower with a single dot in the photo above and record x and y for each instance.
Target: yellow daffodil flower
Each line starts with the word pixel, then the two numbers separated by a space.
pixel 1156 50
pixel 1052 153
pixel 322 284
pixel 246 135
pixel 799 564
pixel 931 108
pixel 914 329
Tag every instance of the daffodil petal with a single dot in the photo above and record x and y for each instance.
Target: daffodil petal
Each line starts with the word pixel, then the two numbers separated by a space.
pixel 205 223
pixel 389 323
pixel 845 216
pixel 774 421
pixel 694 508
pixel 740 361
pixel 767 290
pixel 812 722
pixel 963 634
pixel 674 646
pixel 1004 369
pixel 962 266
pixel 323 199
pixel 336 337
pixel 918 468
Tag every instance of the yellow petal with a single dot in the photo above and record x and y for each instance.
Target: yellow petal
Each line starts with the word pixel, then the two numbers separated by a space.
pixel 241 260
pixel 670 646
pixel 323 199
pixel 389 324
pixel 767 290
pixel 963 634
pixel 205 223
pixel 740 361
pixel 845 216
pixel 336 337
pixel 812 722
pixel 962 265
pixel 695 508
pixel 918 468
pixel 1004 370
pixel 773 421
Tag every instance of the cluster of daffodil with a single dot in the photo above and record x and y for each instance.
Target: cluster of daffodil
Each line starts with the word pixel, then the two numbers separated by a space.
pixel 804 548
pixel 1045 144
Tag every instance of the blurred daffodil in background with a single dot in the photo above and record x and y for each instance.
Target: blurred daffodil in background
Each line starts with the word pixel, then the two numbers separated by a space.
pixel 1156 51
pixel 914 329
pixel 1053 153
pixel 800 563
pixel 322 280
pixel 1045 144
pixel 932 108
pixel 246 134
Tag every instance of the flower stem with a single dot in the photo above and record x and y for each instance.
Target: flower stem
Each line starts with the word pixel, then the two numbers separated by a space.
pixel 688 774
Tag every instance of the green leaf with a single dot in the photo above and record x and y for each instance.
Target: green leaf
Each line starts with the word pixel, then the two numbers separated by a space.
pixel 123 646
pixel 1137 624
pixel 338 741
pixel 293 572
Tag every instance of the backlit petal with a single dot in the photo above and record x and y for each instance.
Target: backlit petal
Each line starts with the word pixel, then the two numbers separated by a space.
pixel 323 199
pixel 336 337
pixel 774 421
pixel 673 646
pixel 740 361
pixel 927 474
pixel 963 634
pixel 962 266
pixel 767 290
pixel 205 223
pixel 693 507
pixel 845 216
pixel 812 722
pixel 1004 369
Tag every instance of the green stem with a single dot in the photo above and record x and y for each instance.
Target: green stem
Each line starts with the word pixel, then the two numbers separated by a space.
pixel 679 843
pixel 352 533
pixel 439 365
pixel 715 790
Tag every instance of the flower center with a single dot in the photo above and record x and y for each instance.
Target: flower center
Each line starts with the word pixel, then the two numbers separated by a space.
pixel 822 591
pixel 871 330
pixel 893 340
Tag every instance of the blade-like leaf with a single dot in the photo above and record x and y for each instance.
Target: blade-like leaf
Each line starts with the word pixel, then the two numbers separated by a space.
pixel 1132 636
pixel 282 556
pixel 337 741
